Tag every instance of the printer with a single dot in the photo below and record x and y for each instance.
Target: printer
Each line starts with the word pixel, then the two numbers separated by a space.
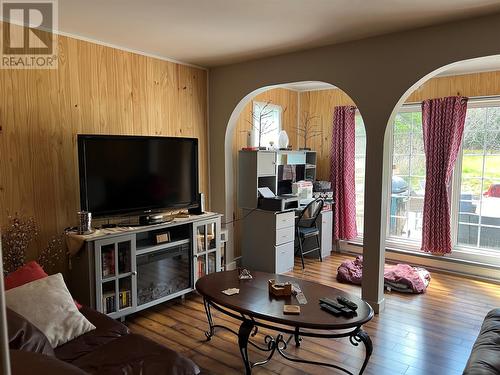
pixel 279 203
pixel 269 202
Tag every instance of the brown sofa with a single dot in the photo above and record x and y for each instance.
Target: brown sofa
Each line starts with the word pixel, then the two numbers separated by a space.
pixel 109 349
pixel 485 356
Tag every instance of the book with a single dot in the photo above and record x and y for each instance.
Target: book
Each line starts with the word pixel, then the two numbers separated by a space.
pixel 123 262
pixel 108 263
pixel 108 303
pixel 125 299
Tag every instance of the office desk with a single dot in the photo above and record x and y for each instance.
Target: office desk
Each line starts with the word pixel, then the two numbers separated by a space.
pixel 268 239
pixel 325 224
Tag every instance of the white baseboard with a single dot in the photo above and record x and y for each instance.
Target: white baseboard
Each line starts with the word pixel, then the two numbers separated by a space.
pixel 378 306
pixel 453 266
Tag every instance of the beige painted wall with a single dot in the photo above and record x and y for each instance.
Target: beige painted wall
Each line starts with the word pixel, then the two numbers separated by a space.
pixel 322 103
pixel 378 74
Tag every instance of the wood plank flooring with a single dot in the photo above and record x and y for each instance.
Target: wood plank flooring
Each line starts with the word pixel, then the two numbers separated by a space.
pixel 416 334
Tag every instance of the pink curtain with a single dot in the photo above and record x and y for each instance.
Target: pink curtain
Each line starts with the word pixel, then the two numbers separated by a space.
pixel 443 125
pixel 342 173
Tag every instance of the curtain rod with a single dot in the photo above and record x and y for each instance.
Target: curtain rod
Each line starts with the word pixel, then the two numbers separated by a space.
pixel 471 99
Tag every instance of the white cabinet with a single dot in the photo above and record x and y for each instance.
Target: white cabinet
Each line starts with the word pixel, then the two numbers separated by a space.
pixel 268 241
pixel 325 225
pixel 132 269
pixel 284 235
pixel 326 230
pixel 266 164
pixel 285 220
pixel 116 275
pixel 284 257
pixel 207 254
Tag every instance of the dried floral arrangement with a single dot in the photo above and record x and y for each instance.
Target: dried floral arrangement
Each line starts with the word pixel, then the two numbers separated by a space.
pixel 18 235
pixel 16 238
pixel 50 257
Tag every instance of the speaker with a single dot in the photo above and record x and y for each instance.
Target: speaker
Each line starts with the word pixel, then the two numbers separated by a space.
pixel 201 206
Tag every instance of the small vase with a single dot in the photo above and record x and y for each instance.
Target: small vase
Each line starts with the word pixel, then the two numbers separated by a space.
pixel 283 140
pixel 252 139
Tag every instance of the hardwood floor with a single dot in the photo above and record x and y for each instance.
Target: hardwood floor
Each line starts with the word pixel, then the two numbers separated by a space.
pixel 416 334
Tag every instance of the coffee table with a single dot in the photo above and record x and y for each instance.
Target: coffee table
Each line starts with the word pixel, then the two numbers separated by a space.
pixel 255 307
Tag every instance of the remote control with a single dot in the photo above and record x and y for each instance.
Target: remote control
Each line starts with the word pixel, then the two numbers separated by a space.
pixel 332 303
pixel 347 303
pixel 301 298
pixel 330 309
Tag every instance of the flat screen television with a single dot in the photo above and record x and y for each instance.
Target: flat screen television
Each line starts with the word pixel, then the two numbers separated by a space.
pixel 137 174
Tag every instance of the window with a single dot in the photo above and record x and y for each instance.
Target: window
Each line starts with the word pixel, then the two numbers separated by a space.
pixel 475 206
pixel 479 201
pixel 267 118
pixel 360 158
pixel 408 176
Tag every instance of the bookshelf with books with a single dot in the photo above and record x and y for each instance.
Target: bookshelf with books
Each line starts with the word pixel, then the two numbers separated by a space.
pixel 116 278
pixel 207 248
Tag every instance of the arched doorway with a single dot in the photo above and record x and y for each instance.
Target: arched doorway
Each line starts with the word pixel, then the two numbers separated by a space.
pixel 299 102
pixel 375 79
pixel 475 222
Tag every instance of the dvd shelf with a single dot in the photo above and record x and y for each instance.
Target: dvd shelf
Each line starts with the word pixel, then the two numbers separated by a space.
pixel 207 252
pixel 116 284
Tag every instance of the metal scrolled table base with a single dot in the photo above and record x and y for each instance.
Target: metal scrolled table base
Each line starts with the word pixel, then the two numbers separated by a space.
pixel 249 328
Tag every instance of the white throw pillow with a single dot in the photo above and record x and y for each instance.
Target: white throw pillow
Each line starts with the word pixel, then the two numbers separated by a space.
pixel 48 305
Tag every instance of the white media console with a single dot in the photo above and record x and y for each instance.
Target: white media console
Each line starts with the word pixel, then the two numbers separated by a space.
pixel 133 269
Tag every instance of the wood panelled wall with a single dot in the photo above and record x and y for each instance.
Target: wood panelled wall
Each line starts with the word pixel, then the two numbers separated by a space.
pixel 288 100
pixel 321 103
pixel 479 84
pixel 95 90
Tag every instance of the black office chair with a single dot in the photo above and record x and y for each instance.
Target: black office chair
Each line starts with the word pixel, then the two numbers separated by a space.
pixel 306 227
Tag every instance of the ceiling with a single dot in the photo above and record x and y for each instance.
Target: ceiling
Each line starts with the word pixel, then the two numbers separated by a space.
pixel 308 86
pixel 217 32
pixel 482 64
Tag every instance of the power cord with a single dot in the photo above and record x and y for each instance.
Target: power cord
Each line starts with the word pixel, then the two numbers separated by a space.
pixel 241 218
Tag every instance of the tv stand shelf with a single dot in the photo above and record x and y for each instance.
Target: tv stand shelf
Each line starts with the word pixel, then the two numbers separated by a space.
pixel 124 271
pixel 167 245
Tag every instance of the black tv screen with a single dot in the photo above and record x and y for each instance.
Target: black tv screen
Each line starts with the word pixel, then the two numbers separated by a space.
pixel 136 174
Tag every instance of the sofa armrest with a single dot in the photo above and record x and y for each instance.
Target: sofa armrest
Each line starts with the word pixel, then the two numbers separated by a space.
pixel 485 355
pixel 136 355
pixel 25 336
pixel 29 363
pixel 107 330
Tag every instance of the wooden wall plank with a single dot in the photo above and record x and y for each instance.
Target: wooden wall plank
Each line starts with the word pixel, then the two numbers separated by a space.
pixel 95 90
pixel 321 103
pixel 478 84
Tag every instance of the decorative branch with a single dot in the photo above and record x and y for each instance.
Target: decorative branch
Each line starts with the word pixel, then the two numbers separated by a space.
pixel 307 127
pixel 261 120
